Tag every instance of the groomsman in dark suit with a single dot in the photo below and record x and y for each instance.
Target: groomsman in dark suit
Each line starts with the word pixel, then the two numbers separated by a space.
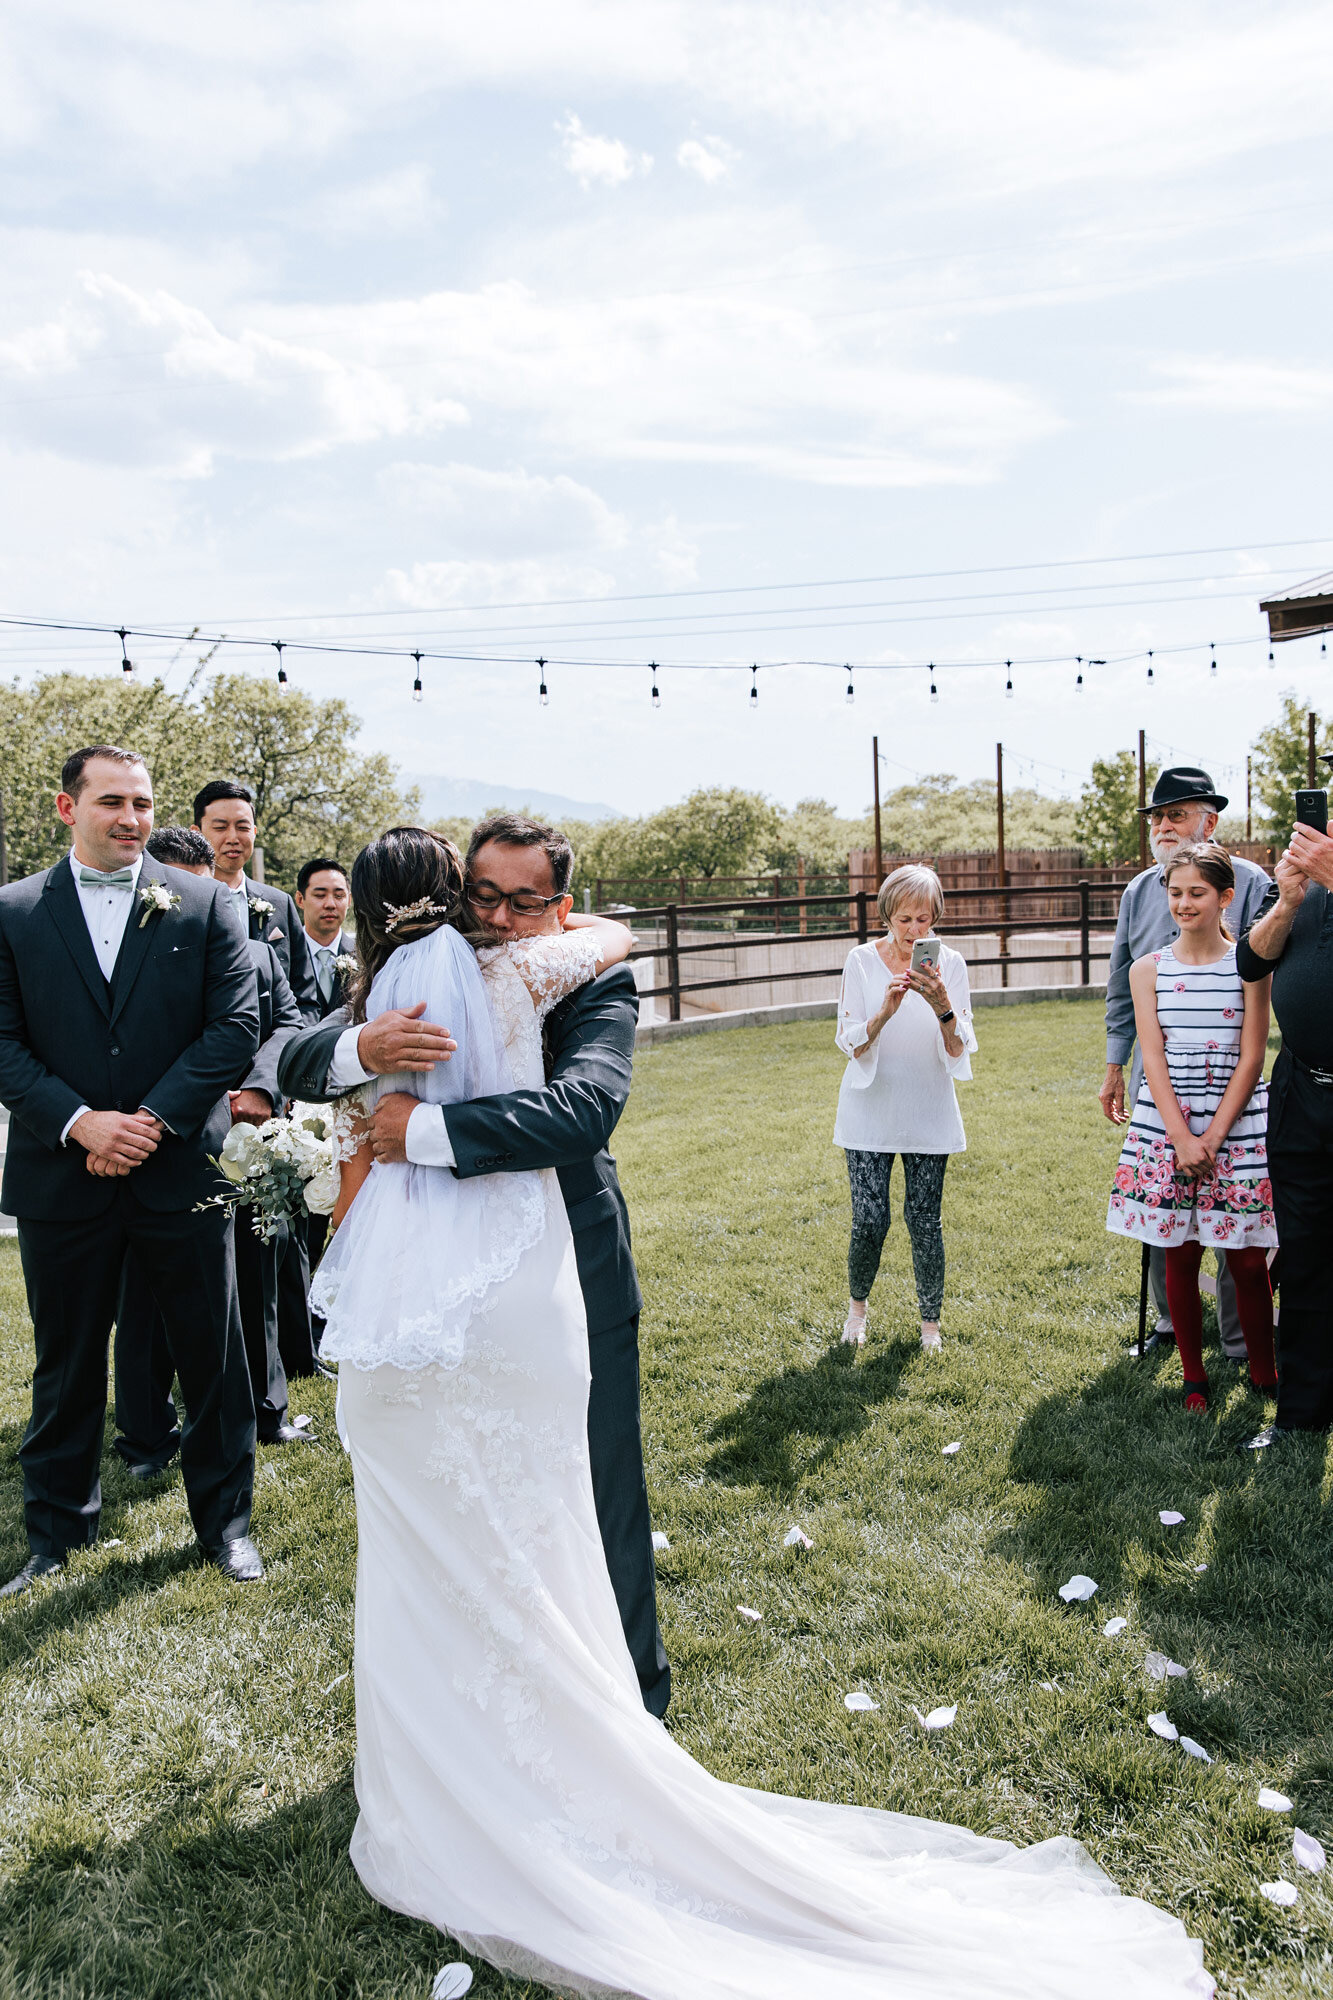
pixel 145 1413
pixel 324 897
pixel 224 812
pixel 127 1010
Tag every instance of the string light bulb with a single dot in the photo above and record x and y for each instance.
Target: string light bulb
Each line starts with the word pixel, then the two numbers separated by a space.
pixel 1078 678
pixel 934 691
pixel 1150 666
pixel 657 698
pixel 418 694
pixel 126 663
pixel 754 690
pixel 851 691
pixel 542 695
pixel 1270 656
pixel 277 645
pixel 1008 681
pixel 1212 660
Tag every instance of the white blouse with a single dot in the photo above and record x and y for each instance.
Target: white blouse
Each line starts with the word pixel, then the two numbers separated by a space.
pixel 899 1096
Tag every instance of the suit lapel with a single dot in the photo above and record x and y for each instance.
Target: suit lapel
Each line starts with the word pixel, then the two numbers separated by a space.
pixel 138 935
pixel 253 925
pixel 61 897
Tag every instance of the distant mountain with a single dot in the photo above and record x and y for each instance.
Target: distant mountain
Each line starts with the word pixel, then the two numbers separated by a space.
pixel 443 798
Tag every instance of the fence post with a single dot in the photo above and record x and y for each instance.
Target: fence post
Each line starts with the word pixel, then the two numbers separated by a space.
pixel 673 963
pixel 1084 917
pixel 862 917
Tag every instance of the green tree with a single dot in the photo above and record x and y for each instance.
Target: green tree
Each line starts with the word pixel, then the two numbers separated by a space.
pixel 816 833
pixel 1106 822
pixel 1281 764
pixel 314 793
pixel 937 815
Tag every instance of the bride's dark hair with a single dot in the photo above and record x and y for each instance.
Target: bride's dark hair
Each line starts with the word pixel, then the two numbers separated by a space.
pixel 404 886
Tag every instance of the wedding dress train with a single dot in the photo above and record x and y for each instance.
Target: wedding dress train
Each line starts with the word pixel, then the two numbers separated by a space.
pixel 514 1791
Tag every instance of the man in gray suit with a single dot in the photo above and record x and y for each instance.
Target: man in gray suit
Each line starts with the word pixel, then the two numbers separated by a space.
pixel 1184 808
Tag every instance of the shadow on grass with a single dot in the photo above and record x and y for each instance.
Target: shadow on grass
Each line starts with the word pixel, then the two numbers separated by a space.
pixel 1239 1591
pixel 791 1422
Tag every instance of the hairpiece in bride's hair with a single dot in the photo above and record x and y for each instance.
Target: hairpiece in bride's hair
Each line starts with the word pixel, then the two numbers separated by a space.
pixel 412 911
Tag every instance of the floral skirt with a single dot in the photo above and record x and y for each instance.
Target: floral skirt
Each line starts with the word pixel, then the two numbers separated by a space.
pixel 1231 1210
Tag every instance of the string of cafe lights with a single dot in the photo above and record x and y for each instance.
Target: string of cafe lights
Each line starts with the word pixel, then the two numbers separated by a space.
pixel 1084 665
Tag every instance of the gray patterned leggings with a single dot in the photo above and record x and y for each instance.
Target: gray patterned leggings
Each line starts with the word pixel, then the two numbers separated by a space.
pixel 924 1176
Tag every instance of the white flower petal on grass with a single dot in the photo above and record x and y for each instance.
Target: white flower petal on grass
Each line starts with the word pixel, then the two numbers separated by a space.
pixel 948 1450
pixel 301 1423
pixel 1279 1892
pixel 1193 1749
pixel 754 1617
pixel 335 1684
pixel 858 1702
pixel 1169 1518
pixel 1272 1801
pixel 660 1541
pixel 1162 1725
pixel 939 1718
pixel 1049 1687
pixel 1308 1851
pixel 1078 1589
pixel 451 1982
pixel 796 1538
pixel 1160 1667
pixel 1199 1568
pixel 1114 1627
pixel 115 1543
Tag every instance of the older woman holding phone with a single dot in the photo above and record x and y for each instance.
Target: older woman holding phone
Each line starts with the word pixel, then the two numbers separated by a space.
pixel 905 1026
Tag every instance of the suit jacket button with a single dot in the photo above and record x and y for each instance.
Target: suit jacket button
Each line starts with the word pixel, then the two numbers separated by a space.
pixel 115 1052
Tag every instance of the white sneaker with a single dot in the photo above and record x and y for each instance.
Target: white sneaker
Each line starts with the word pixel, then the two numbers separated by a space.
pixel 932 1340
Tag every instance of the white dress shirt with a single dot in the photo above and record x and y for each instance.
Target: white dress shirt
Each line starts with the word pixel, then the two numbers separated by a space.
pixel 426 1139
pixel 106 911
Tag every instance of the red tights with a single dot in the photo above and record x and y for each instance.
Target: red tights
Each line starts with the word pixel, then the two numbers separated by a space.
pixel 1254 1300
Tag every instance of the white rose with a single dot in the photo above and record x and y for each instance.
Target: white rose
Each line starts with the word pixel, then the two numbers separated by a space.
pixel 321 1192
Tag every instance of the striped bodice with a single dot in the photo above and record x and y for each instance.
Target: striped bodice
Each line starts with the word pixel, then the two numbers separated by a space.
pixel 1201 1009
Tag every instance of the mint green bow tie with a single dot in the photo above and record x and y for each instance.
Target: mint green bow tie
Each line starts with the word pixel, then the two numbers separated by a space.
pixel 120 878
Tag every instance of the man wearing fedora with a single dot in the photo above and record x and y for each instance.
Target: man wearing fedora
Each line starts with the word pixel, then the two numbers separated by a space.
pixel 1184 808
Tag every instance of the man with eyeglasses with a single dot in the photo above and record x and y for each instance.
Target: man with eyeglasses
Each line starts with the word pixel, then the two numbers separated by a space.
pixel 518 874
pixel 1184 808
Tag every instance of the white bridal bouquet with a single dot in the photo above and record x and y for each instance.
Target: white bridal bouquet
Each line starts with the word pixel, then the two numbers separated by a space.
pixel 280 1169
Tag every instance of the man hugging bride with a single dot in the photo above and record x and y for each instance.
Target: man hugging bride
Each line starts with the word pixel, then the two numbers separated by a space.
pixel 515 1785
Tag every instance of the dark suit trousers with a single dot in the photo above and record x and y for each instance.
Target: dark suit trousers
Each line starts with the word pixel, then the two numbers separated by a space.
pixel 145 1413
pixel 296 1336
pixel 615 1448
pixel 73 1271
pixel 1300 1164
pixel 147 1431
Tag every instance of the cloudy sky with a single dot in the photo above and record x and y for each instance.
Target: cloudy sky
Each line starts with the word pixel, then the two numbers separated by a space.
pixel 745 332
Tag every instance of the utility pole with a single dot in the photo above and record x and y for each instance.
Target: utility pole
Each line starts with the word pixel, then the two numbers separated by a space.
pixel 1249 796
pixel 1001 871
pixel 1311 721
pixel 879 843
pixel 4 857
pixel 1143 800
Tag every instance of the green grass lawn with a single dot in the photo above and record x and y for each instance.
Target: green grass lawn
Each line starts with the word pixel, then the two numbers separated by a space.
pixel 177 1752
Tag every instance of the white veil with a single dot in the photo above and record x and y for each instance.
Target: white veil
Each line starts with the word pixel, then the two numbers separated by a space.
pixel 421 1252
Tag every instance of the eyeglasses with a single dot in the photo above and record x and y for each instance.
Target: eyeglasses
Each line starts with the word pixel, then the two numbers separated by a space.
pixel 1175 815
pixel 523 902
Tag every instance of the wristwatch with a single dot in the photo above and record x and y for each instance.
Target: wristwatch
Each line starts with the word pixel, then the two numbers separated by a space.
pixel 942 1018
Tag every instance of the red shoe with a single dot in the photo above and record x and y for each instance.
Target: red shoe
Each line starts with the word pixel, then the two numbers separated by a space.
pixel 1196 1398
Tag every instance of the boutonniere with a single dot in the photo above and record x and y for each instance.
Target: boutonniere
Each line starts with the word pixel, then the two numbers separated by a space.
pixel 156 897
pixel 258 907
pixel 345 966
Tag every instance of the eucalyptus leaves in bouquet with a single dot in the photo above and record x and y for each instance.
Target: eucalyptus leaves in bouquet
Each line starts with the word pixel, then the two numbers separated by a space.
pixel 278 1170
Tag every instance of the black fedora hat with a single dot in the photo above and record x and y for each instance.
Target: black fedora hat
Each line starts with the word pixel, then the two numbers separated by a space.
pixel 1184 785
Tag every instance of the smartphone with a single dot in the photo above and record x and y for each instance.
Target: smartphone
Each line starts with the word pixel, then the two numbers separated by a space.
pixel 926 955
pixel 1312 810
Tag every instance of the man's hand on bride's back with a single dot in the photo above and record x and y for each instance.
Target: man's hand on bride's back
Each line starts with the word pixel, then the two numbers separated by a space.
pixel 401 1040
pixel 388 1126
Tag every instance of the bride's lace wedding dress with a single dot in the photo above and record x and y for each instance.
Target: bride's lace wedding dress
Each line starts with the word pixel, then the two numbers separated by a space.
pixel 513 1789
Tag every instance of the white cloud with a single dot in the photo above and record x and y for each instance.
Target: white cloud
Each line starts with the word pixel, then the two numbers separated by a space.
pixel 593 159
pixel 426 585
pixel 144 378
pixel 480 511
pixel 1239 388
pixel 708 158
pixel 400 203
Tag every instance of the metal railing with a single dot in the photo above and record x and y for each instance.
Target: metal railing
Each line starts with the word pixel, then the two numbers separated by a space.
pixel 1089 927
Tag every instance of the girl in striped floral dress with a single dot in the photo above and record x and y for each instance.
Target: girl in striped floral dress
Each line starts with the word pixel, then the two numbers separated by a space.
pixel 1193 1171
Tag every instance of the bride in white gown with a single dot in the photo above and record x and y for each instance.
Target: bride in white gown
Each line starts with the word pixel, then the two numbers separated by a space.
pixel 512 1788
